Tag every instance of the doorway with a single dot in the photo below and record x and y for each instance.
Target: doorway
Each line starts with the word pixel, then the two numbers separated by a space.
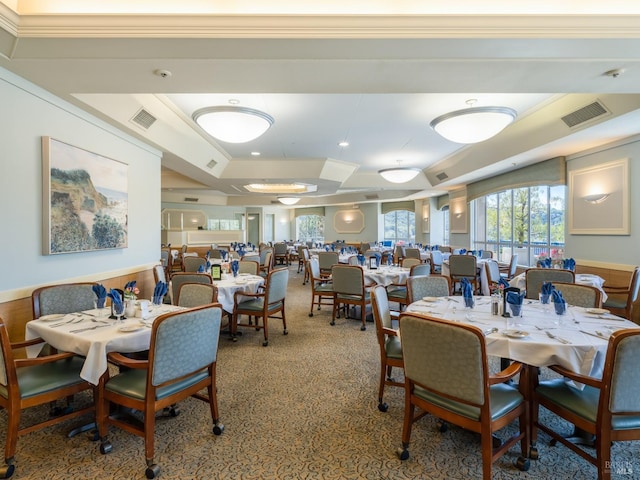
pixel 253 228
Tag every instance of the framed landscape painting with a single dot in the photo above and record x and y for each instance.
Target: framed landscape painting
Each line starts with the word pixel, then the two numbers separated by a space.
pixel 85 200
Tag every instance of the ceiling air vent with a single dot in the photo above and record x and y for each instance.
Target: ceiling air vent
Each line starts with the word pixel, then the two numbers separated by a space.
pixel 144 119
pixel 275 202
pixel 584 114
pixel 212 164
pixel 372 196
pixel 442 176
pixel 190 199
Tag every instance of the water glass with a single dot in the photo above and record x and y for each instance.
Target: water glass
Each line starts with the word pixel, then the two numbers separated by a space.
pixel 544 301
pixel 118 310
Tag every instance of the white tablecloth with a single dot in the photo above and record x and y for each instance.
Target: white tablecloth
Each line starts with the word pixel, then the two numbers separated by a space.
pixel 520 281
pixel 229 286
pixel 93 344
pixel 385 275
pixel 585 354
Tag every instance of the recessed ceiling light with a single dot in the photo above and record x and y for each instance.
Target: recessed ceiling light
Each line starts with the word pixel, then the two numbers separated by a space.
pixel 343 144
pixel 234 101
pixel 281 188
pixel 255 154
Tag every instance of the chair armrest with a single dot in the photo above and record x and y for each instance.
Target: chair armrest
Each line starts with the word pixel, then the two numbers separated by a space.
pixel 576 377
pixel 390 331
pixel 613 289
pixel 119 359
pixel 29 362
pixel 26 343
pixel 506 374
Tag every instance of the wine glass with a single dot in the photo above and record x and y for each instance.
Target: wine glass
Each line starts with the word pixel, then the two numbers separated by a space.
pixel 118 310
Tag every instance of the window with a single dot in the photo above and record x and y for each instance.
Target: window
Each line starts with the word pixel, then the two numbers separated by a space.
pixel 526 221
pixel 310 228
pixel 445 225
pixel 400 225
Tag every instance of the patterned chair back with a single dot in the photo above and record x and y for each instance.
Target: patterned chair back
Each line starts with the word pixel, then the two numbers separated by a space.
pixel 493 271
pixel 192 264
pixel 463 266
pixel 177 279
pixel 410 262
pixel 277 285
pixel 446 357
pixel 412 253
pixel 580 295
pixel 327 260
pixel 380 309
pixel 196 294
pixel 183 343
pixel 625 384
pixel 535 277
pixel 347 280
pixel 66 298
pixel 420 269
pixel 431 286
pixel 159 274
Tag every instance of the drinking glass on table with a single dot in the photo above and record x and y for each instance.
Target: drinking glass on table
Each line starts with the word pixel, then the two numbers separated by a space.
pixel 544 301
pixel 101 307
pixel 118 310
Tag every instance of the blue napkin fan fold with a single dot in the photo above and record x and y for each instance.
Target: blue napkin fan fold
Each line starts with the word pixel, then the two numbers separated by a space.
pixel 114 295
pixel 101 294
pixel 361 259
pixel 569 264
pixel 159 292
pixel 559 303
pixel 503 282
pixel 235 266
pixel 467 293
pixel 515 300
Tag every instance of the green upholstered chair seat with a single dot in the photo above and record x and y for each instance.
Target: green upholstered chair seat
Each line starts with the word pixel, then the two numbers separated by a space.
pixel 256 305
pixel 615 301
pixel 133 383
pixel 583 403
pixel 354 298
pixel 397 292
pixel 393 347
pixel 44 378
pixel 324 288
pixel 504 398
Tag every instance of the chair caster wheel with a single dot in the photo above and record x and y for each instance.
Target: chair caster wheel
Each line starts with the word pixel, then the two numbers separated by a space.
pixel 106 447
pixel 523 464
pixel 285 332
pixel 383 407
pixel 218 428
pixel 152 471
pixel 174 411
pixel 363 328
pixel 234 339
pixel 332 324
pixel 7 470
pixel 553 442
pixel 533 453
pixel 265 343
pixel 403 453
pixel 496 442
pixel 311 314
pixel 442 426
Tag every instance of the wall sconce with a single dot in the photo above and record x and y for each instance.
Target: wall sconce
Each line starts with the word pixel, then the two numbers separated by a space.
pixel 596 198
pixel 458 215
pixel 348 219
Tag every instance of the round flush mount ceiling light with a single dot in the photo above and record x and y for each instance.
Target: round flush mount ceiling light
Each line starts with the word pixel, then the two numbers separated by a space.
pixel 288 200
pixel 233 124
pixel 473 125
pixel 399 174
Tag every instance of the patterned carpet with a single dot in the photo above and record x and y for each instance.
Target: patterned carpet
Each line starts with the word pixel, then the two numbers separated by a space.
pixel 305 407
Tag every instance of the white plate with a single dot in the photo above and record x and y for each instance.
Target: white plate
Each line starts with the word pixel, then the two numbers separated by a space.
pixel 597 311
pixel 52 317
pixel 515 333
pixel 130 328
pixel 430 299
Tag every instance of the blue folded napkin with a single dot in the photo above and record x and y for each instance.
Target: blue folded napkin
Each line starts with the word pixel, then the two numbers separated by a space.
pixel 435 247
pixel 569 264
pixel 333 247
pixel 101 294
pixel 208 254
pixel 361 259
pixel 159 292
pixel 515 300
pixel 480 253
pixel 389 259
pixel 467 293
pixel 201 269
pixel 546 263
pixel 462 251
pixel 223 254
pixel 207 267
pixel 378 258
pixel 547 288
pixel 559 303
pixel 235 266
pixel 115 297
pixel 503 282
pixel 327 248
pixel 130 285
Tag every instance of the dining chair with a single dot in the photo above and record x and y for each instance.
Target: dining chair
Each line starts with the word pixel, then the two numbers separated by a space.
pixel 353 260
pixel 408 262
pixel 412 253
pixel 464 266
pixel 181 363
pixel 251 258
pixel 585 296
pixel 420 269
pixel 622 298
pixel 486 254
pixel 508 271
pixel 397 292
pixel 192 264
pixel 178 278
pixel 607 408
pixel 349 289
pixel 29 382
pixel 398 254
pixel 263 305
pixel 266 261
pixel 306 256
pixel 321 287
pixel 436 261
pixel 327 260
pixel 248 266
pixel 281 253
pixel 196 294
pixel 427 286
pixel 63 298
pixel 447 375
pixel 165 260
pixel 535 277
pixel 492 269
pixel 303 256
pixel 388 341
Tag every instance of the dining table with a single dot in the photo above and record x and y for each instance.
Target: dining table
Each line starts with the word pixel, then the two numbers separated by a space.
pixel 92 334
pixel 592 280
pixel 228 285
pixel 386 275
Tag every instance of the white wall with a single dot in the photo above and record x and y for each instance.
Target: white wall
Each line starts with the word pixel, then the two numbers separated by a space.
pixel 611 249
pixel 372 228
pixel 29 113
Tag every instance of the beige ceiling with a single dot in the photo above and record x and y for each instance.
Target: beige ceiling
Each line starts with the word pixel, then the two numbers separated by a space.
pixel 373 73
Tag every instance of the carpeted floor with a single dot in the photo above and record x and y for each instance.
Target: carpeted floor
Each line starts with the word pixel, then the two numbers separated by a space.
pixel 305 407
